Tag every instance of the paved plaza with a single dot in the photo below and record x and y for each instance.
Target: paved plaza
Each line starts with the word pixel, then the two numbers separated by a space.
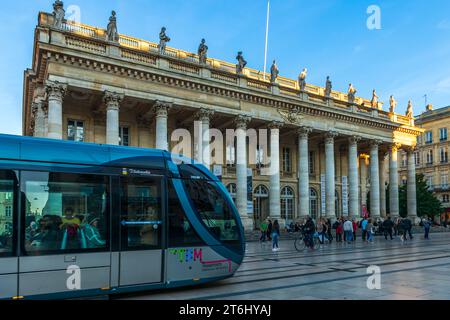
pixel 417 269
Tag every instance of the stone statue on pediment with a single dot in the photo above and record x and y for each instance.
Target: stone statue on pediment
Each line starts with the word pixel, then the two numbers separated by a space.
pixel 58 14
pixel 392 104
pixel 409 110
pixel 241 63
pixel 328 87
pixel 113 34
pixel 274 72
pixel 302 79
pixel 203 52
pixel 374 101
pixel 351 93
pixel 163 39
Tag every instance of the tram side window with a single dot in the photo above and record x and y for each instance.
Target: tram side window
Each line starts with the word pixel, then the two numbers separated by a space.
pixel 7 204
pixel 141 213
pixel 213 209
pixel 181 232
pixel 65 212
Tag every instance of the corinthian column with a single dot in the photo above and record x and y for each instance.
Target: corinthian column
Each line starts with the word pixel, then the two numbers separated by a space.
pixel 112 101
pixel 204 116
pixel 241 170
pixel 303 172
pixel 353 177
pixel 55 92
pixel 374 180
pixel 330 182
pixel 393 181
pixel 411 186
pixel 162 114
pixel 39 115
pixel 382 165
pixel 274 192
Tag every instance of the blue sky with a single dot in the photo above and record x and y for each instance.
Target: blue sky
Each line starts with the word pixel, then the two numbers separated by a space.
pixel 408 57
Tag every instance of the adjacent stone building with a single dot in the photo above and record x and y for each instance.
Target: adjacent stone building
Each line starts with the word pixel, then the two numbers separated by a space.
pixel 431 156
pixel 326 149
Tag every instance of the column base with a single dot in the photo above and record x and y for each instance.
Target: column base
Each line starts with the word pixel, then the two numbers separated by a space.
pixel 248 224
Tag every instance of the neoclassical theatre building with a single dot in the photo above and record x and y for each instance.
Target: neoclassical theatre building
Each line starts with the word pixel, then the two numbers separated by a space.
pixel 94 85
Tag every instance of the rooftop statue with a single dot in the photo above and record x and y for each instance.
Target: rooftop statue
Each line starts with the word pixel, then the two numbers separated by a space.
pixel 274 72
pixel 351 93
pixel 409 110
pixel 328 87
pixel 374 101
pixel 203 52
pixel 241 63
pixel 58 14
pixel 302 79
pixel 392 104
pixel 112 32
pixel 163 39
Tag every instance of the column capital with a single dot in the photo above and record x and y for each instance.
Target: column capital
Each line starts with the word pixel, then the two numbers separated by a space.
pixel 204 114
pixel 374 144
pixel 276 125
pixel 242 121
pixel 354 140
pixel 162 108
pixel 394 147
pixel 330 136
pixel 304 132
pixel 409 149
pixel 55 90
pixel 113 99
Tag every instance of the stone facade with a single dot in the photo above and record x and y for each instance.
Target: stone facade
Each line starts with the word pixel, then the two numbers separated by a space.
pixel 431 154
pixel 323 149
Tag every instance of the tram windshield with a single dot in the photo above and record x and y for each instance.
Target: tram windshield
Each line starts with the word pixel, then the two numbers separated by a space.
pixel 6 212
pixel 213 209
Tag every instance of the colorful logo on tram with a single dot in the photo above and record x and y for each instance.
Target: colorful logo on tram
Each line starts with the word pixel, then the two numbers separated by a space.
pixel 188 255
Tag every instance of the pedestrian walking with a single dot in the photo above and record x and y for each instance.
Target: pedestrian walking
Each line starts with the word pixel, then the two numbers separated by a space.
pixel 388 225
pixel 408 226
pixel 263 227
pixel 329 234
pixel 355 227
pixel 348 230
pixel 339 231
pixel 370 230
pixel 275 236
pixel 426 226
pixel 269 230
pixel 364 228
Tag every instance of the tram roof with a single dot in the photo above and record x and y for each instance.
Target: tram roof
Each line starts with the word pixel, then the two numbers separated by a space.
pixel 61 151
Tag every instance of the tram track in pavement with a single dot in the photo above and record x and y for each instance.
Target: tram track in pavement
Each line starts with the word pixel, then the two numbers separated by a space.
pixel 312 283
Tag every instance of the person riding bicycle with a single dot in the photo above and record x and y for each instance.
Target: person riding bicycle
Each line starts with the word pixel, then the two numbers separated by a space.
pixel 309 229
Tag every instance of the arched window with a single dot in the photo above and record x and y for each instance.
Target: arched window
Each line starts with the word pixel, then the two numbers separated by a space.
pixel 260 204
pixel 313 201
pixel 232 189
pixel 287 204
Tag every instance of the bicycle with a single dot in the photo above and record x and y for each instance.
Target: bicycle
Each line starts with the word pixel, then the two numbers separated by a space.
pixel 300 242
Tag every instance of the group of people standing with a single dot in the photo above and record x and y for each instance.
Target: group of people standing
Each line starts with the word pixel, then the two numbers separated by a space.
pixel 345 229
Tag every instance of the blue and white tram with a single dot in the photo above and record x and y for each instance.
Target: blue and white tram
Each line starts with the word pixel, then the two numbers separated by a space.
pixel 79 219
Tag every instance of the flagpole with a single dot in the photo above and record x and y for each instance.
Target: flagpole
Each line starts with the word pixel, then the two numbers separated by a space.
pixel 267 38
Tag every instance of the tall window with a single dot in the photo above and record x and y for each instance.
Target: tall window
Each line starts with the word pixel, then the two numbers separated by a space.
pixel 124 136
pixel 445 198
pixel 429 137
pixel 287 164
pixel 429 180
pixel 444 181
pixel 231 155
pixel 287 204
pixel 417 158
pixel 313 203
pixel 404 160
pixel 430 157
pixel 443 134
pixel 312 164
pixel 65 212
pixel 260 157
pixel 75 130
pixel 443 155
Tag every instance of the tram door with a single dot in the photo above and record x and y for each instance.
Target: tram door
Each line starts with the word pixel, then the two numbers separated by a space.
pixel 142 207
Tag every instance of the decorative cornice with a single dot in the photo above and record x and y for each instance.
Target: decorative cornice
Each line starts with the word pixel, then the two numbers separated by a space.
pixel 290 109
